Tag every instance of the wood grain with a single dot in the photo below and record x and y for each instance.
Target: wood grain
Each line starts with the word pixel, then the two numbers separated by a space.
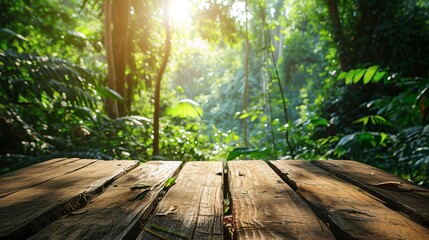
pixel 27 211
pixel 116 213
pixel 351 212
pixel 35 174
pixel 265 207
pixel 398 193
pixel 193 207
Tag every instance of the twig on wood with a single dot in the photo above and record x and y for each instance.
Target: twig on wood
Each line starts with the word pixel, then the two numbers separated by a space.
pixel 155 234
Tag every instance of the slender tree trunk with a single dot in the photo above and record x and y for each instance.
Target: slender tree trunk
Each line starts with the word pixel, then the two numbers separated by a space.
pixel 246 84
pixel 111 105
pixel 157 114
pixel 343 53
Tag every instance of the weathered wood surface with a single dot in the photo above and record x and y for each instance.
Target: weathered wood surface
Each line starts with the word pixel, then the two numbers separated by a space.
pixel 352 213
pixel 92 199
pixel 193 207
pixel 36 174
pixel 265 207
pixel 398 193
pixel 120 210
pixel 26 211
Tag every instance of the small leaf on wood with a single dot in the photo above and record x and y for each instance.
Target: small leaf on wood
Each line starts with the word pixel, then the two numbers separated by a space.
pixel 170 182
pixel 226 204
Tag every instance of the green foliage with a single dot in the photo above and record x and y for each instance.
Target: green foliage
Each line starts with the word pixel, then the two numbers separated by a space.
pixel 410 150
pixel 372 74
pixel 356 88
pixel 185 108
pixel 375 120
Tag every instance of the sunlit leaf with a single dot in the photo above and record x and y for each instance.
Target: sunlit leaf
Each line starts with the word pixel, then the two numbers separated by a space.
pixel 369 74
pixel 363 120
pixel 244 115
pixel 185 108
pixel 358 75
pixel 342 76
pixel 374 119
pixel 383 137
pixel 378 76
pixel 170 182
pixel 349 77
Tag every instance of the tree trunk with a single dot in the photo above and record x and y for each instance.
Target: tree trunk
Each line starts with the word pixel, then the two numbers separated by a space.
pixel 157 113
pixel 120 19
pixel 111 105
pixel 343 53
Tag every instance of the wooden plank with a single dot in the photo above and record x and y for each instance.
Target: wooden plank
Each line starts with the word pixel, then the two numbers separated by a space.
pixel 265 207
pixel 35 168
pixel 99 219
pixel 351 212
pixel 193 207
pixel 27 211
pixel 39 173
pixel 398 193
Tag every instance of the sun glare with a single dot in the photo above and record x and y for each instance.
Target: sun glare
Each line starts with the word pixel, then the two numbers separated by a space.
pixel 179 13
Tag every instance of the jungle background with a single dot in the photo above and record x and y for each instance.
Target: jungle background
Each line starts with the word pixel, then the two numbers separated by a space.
pixel 216 80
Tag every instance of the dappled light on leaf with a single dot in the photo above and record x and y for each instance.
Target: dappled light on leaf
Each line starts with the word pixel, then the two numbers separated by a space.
pixel 185 108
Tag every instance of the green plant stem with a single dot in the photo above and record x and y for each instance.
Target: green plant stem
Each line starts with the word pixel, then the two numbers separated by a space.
pixel 292 150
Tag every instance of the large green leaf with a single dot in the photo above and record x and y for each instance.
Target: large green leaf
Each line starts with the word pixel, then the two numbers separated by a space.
pixel 185 108
pixel 109 93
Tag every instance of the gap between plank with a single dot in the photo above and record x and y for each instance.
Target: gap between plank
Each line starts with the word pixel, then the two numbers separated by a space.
pixel 141 222
pixel 227 196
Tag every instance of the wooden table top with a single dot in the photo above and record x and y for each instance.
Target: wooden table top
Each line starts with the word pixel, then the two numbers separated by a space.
pixel 283 199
